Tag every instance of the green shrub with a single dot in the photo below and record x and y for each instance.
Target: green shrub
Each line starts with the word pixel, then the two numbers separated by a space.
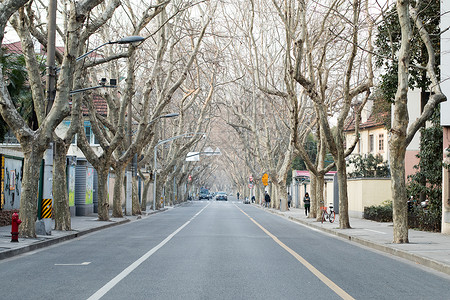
pixel 425 219
pixel 379 213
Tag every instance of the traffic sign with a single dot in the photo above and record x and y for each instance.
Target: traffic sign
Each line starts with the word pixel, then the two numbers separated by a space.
pixel 250 185
pixel 265 179
pixel 250 178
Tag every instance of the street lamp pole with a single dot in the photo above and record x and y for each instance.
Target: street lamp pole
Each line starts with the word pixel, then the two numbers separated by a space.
pixel 154 159
pixel 51 92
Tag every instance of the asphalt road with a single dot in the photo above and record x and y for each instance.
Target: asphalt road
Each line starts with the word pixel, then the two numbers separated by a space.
pixel 214 250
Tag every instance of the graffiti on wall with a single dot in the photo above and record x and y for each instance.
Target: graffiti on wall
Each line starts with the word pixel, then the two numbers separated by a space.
pixel 11 182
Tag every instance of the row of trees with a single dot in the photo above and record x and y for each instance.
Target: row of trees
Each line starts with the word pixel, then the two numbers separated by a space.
pixel 163 74
pixel 266 74
pixel 303 67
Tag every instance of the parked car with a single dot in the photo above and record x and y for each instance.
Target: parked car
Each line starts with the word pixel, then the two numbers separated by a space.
pixel 221 196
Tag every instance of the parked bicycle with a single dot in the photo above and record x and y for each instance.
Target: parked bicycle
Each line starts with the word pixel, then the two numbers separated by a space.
pixel 327 215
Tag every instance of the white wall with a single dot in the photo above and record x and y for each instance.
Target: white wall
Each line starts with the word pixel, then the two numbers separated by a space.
pixel 414 111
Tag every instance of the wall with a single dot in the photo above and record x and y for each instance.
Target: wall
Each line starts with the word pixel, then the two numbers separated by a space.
pixel 11 182
pixel 445 62
pixel 367 192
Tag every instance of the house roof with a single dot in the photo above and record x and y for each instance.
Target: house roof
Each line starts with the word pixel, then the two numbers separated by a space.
pixel 16 47
pixel 99 102
pixel 13 47
pixel 376 119
pixel 100 105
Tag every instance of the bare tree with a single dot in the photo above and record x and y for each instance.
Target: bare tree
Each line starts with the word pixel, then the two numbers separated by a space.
pixel 34 143
pixel 401 134
pixel 333 59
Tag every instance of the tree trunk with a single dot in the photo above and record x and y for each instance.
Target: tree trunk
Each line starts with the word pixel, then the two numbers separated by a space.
pixel 61 210
pixel 118 192
pixel 319 202
pixel 136 209
pixel 169 190
pixel 314 204
pixel 397 143
pixel 103 201
pixel 145 194
pixel 344 221
pixel 30 182
pixel 399 204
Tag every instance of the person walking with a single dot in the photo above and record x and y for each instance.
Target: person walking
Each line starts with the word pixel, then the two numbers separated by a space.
pixel 267 198
pixel 307 202
pixel 237 195
pixel 289 200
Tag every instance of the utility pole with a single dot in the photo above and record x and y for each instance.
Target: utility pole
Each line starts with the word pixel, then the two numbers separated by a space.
pixel 47 180
pixel 129 184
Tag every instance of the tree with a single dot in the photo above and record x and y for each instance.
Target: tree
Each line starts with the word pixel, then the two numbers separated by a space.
pixel 401 133
pixel 338 53
pixel 35 142
pixel 14 69
pixel 426 183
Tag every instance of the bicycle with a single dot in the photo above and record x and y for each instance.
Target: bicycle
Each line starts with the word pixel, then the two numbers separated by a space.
pixel 327 216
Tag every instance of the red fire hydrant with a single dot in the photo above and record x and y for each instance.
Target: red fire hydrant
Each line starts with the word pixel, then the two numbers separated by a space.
pixel 15 222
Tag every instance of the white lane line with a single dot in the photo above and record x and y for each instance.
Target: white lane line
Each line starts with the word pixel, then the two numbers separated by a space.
pixel 82 264
pixel 113 282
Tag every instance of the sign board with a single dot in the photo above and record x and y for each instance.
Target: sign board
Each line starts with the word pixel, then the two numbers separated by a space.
pixel 265 179
pixel 193 156
pixel 250 185
pixel 250 178
pixel 190 178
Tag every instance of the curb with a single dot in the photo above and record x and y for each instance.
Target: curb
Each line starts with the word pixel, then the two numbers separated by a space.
pixel 427 262
pixel 56 240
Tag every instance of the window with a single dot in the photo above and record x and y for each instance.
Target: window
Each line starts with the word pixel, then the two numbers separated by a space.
pixel 96 141
pixel 381 142
pixel 371 143
pixel 87 129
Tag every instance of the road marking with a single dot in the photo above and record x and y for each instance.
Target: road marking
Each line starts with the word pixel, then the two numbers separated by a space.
pixel 82 264
pixel 333 286
pixel 113 282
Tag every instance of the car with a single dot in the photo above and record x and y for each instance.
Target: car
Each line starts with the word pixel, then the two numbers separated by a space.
pixel 221 196
pixel 204 194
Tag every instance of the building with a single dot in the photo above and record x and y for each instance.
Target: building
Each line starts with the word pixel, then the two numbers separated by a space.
pixel 445 115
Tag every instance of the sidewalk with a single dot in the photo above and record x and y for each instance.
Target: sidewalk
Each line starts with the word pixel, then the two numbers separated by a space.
pixel 426 248
pixel 80 226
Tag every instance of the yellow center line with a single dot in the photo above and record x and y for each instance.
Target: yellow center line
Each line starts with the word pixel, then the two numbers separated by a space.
pixel 333 286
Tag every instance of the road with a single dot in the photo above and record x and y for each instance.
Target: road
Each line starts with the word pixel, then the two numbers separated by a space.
pixel 215 250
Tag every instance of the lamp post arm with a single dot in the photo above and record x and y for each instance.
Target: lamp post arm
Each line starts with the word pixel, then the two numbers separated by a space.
pixel 89 52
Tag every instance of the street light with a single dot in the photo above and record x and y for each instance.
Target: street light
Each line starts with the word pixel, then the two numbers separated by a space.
pixel 125 40
pixel 51 87
pixel 154 160
pixel 133 166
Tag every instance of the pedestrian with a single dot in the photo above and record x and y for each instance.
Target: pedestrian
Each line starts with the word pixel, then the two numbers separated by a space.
pixel 253 199
pixel 267 198
pixel 238 195
pixel 307 202
pixel 289 200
